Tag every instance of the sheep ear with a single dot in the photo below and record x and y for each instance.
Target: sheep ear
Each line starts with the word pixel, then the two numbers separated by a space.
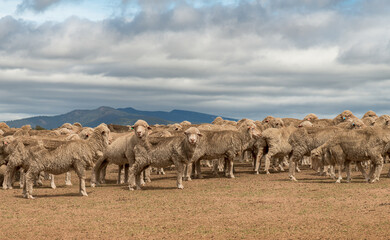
pixel 200 135
pixel 149 127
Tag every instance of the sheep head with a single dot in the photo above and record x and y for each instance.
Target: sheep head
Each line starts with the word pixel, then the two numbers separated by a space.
pixel 104 131
pixel 141 128
pixel 305 123
pixel 310 117
pixel 193 134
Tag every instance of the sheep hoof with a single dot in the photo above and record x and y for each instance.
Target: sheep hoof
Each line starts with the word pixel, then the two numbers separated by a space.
pixel 138 188
pixel 30 196
pixel 231 176
pixel 298 170
pixel 148 180
pixel 267 172
pixel 256 172
pixel 282 169
pixel 93 185
pixel 53 186
pixel 84 194
pixel 338 181
pixel 131 189
pixel 10 187
pixel 187 179
pixel 68 183
pixel 180 186
pixel 292 178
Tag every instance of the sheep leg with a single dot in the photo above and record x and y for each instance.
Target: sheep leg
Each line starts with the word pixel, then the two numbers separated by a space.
pixel 24 186
pixel 187 172
pixel 267 163
pixel 230 167
pixel 339 173
pixel 215 167
pixel 126 166
pixel 52 183
pixel 291 169
pixel 30 177
pixel 348 170
pixel 180 171
pixel 68 176
pixel 371 174
pixel 22 180
pixel 147 174
pixel 80 171
pixel 8 177
pixel 198 170
pixel 361 169
pixel 135 181
pixel 378 169
pixel 120 167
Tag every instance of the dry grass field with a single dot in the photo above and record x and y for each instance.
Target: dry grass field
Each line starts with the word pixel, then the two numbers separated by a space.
pixel 248 207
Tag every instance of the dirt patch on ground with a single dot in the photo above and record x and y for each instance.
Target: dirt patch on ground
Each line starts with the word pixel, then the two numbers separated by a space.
pixel 248 207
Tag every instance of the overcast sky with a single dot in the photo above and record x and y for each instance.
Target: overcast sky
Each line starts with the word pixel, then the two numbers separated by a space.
pixel 234 58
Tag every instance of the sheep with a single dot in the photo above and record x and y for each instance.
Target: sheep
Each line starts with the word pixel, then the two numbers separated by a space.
pixel 304 140
pixel 310 117
pixel 115 153
pixel 383 120
pixel 122 150
pixel 185 123
pixel 276 141
pixel 359 145
pixel 226 144
pixel 173 150
pixel 3 125
pixel 305 123
pixel 370 114
pixel 1 132
pixel 76 155
pixel 369 121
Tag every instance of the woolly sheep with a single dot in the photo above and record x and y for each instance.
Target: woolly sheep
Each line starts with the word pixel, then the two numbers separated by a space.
pixel 370 114
pixel 76 155
pixel 174 150
pixel 310 117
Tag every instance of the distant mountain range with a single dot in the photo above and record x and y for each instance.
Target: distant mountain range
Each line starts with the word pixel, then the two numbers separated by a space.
pixel 121 116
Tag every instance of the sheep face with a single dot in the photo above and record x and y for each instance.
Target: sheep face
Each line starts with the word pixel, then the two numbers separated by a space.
pixel 193 134
pixel 141 131
pixel 104 131
pixel 305 123
pixel 253 131
pixel 316 158
pixel 310 117
pixel 276 123
pixel 86 133
pixel 141 128
pixel 267 119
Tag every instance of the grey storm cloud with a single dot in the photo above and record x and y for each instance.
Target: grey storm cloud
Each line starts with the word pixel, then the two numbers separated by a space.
pixel 37 5
pixel 250 59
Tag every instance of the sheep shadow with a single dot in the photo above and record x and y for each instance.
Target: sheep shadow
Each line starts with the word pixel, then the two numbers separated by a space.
pixel 37 196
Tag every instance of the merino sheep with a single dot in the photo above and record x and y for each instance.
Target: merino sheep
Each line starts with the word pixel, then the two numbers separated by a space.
pixel 174 150
pixel 360 145
pixel 305 123
pixel 291 122
pixel 370 114
pixel 304 140
pixel 226 144
pixel 310 117
pixel 121 151
pixel 382 121
pixel 276 141
pixel 76 155
pixel 3 125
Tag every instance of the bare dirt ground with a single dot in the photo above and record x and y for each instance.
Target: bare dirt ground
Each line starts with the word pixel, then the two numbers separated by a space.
pixel 248 207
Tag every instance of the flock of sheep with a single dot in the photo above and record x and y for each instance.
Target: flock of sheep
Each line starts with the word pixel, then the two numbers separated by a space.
pixel 322 143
